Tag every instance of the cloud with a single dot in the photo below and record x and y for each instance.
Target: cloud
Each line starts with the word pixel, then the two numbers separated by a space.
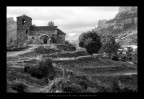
pixel 69 19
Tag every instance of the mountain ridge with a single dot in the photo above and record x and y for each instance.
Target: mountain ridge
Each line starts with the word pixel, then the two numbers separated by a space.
pixel 124 20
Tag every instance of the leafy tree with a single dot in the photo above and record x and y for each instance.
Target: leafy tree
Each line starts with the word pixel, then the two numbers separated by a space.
pixel 111 46
pixel 91 41
pixel 93 47
pixel 51 23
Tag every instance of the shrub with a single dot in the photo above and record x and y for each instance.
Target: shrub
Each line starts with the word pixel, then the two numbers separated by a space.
pixel 44 69
pixel 66 47
pixel 111 46
pixel 41 49
pixel 16 86
pixel 116 58
pixel 93 48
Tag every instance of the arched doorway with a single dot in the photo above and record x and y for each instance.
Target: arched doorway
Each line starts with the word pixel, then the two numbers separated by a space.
pixel 44 39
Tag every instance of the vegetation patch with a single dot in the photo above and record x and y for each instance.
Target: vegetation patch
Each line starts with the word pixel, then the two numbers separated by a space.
pixel 14 48
pixel 44 50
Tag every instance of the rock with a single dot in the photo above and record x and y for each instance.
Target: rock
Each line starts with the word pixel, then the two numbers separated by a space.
pixel 19 87
pixel 127 9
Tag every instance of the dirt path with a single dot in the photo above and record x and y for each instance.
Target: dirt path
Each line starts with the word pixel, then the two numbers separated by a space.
pixel 16 53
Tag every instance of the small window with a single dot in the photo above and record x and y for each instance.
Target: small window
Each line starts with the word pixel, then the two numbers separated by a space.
pixel 32 37
pixel 23 21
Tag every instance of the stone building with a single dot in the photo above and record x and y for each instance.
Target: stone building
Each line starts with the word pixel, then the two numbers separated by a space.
pixel 26 32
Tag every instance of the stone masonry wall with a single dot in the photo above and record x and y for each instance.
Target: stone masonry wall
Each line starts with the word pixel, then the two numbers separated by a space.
pixel 60 39
pixel 23 29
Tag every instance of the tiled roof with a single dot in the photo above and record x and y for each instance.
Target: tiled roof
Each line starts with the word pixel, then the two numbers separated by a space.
pixel 46 28
pixel 24 16
pixel 59 32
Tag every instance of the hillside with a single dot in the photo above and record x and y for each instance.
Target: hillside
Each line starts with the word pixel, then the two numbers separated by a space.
pixel 124 25
pixel 129 36
pixel 11 29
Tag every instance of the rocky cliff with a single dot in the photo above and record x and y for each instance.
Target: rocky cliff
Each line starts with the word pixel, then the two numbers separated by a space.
pixel 123 25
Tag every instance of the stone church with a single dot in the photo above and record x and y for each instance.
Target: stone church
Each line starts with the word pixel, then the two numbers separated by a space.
pixel 26 32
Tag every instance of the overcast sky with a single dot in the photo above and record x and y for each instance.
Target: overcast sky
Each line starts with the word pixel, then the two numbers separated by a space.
pixel 71 20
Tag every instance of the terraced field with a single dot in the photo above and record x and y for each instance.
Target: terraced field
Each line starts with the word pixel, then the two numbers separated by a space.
pixel 100 71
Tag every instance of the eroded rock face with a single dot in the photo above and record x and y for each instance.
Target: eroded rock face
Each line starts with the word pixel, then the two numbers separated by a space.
pixel 123 23
pixel 125 15
pixel 101 23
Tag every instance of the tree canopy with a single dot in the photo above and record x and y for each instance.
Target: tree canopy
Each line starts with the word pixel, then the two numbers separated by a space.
pixel 91 41
pixel 51 23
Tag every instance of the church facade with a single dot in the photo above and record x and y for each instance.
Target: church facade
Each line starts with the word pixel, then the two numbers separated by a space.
pixel 26 32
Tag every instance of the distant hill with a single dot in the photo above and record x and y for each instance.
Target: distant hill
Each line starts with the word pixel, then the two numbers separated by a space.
pixel 124 25
pixel 73 38
pixel 11 29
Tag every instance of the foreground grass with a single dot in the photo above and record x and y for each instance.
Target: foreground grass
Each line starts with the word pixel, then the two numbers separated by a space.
pixel 92 65
pixel 80 68
pixel 55 54
pixel 98 84
pixel 68 54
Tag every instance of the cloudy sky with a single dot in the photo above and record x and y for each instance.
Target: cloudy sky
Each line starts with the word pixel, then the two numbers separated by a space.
pixel 71 20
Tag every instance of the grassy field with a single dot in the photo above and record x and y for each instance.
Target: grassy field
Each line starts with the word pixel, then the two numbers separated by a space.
pixel 67 54
pixel 100 74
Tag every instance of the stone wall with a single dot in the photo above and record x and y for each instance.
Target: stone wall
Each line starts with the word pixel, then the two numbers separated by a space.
pixel 21 37
pixel 66 48
pixel 60 39
pixel 42 32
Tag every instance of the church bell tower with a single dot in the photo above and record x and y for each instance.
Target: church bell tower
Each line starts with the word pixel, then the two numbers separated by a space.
pixel 23 28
